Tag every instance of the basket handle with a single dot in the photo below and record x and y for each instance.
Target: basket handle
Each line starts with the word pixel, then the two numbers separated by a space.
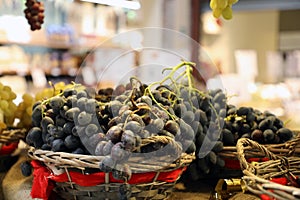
pixel 244 142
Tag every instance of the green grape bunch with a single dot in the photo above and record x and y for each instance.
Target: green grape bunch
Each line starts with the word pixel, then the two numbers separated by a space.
pixel 7 106
pixel 222 7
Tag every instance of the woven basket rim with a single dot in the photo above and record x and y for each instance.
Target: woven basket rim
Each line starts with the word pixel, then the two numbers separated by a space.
pixel 287 148
pixel 12 135
pixel 69 160
pixel 138 164
pixel 257 176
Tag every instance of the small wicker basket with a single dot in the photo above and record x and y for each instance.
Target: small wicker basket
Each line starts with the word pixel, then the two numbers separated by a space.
pixel 157 188
pixel 260 177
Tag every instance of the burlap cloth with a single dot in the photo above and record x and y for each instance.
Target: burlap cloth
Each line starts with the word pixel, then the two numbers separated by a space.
pixel 14 185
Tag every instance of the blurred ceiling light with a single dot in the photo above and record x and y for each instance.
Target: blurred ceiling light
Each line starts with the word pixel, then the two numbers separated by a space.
pixel 134 5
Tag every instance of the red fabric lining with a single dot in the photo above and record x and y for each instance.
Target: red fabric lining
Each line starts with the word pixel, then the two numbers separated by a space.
pixel 235 164
pixel 44 180
pixel 7 149
pixel 282 181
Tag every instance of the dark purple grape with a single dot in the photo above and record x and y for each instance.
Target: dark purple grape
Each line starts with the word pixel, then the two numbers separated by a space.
pixel 118 153
pixel 67 127
pixel 46 121
pixel 203 165
pixel 243 111
pixel 84 118
pixel 91 105
pixel 218 146
pixel 172 127
pixel 107 148
pixel 58 145
pixel 95 139
pixel 72 142
pixel 81 94
pixel 36 116
pixel 56 102
pixel 78 151
pixel 71 101
pixel 81 102
pixel 134 126
pixel 191 147
pixel 91 129
pixel 228 138
pixel 114 121
pixel 268 136
pixel 188 116
pixel 60 121
pixel 26 168
pixel 128 140
pixel 99 148
pixel 284 134
pixel 34 135
pixel 46 147
pixel 120 89
pixel 69 92
pixel 107 164
pixel 72 113
pixel 114 134
pixel 212 157
pixel 257 135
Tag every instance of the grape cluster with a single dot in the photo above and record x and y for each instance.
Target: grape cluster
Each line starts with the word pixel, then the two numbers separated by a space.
pixel 223 124
pixel 212 111
pixel 34 13
pixel 24 108
pixel 7 106
pixel 246 122
pixel 24 111
pixel 53 122
pixel 135 114
pixel 222 7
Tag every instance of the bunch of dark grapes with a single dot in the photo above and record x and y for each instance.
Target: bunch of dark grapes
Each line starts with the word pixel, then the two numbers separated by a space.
pixel 133 115
pixel 112 124
pixel 262 127
pixel 222 124
pixel 34 13
pixel 209 111
pixel 55 122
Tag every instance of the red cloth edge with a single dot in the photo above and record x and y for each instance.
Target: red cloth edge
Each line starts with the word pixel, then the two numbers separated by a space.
pixel 7 149
pixel 44 180
pixel 235 164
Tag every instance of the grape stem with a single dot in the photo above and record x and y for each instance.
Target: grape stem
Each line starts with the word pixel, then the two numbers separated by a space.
pixel 170 77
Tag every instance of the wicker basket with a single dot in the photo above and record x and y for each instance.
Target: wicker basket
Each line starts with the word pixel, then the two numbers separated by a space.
pixel 9 140
pixel 230 154
pixel 289 148
pixel 12 135
pixel 260 177
pixel 157 188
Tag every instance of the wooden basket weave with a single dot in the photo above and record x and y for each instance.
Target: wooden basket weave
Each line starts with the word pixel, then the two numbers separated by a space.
pixel 288 148
pixel 258 175
pixel 12 135
pixel 109 190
